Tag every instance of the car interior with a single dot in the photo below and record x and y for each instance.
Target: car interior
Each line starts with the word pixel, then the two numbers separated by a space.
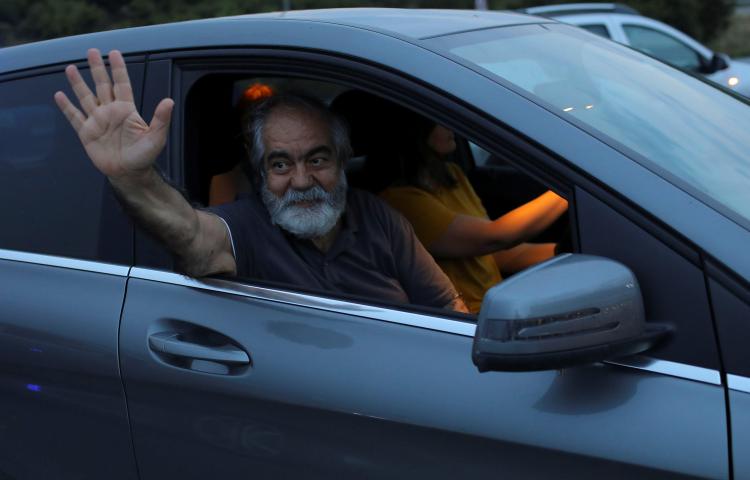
pixel 215 155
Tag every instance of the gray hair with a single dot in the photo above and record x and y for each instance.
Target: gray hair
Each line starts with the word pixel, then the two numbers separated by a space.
pixel 255 120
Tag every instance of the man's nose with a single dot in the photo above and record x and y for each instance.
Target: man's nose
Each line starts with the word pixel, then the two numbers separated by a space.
pixel 301 178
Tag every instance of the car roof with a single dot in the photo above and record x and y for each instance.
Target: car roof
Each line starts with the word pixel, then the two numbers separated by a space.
pixel 409 25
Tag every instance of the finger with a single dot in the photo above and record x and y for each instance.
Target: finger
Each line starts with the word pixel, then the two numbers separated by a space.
pixel 162 115
pixel 83 92
pixel 101 77
pixel 122 90
pixel 74 116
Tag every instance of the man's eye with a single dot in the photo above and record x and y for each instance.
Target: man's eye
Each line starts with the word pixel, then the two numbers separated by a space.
pixel 279 166
pixel 317 161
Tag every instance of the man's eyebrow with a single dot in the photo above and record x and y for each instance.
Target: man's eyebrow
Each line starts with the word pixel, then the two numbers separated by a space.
pixel 319 149
pixel 278 154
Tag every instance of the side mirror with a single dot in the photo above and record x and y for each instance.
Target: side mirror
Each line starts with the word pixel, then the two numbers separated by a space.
pixel 719 61
pixel 570 310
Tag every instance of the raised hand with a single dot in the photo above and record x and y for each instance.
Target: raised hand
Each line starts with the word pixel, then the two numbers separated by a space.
pixel 116 138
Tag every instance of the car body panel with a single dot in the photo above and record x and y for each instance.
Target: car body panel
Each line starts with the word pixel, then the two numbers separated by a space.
pixel 64 412
pixel 250 30
pixel 318 377
pixel 732 312
pixel 739 407
pixel 674 289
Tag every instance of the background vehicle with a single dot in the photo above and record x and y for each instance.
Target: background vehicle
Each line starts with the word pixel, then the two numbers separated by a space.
pixel 623 24
pixel 113 365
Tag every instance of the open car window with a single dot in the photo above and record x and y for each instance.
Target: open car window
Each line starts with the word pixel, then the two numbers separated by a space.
pixel 217 170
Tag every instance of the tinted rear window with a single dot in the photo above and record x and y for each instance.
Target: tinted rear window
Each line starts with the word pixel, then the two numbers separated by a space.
pixel 53 200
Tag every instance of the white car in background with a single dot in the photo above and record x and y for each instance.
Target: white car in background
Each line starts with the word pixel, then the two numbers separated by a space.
pixel 625 25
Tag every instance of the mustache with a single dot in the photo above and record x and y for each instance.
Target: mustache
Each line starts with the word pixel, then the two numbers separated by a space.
pixel 313 193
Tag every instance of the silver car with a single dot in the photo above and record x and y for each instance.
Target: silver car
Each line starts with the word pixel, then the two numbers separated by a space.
pixel 625 25
pixel 625 357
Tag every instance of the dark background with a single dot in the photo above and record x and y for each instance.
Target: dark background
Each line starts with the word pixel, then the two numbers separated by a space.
pixel 31 20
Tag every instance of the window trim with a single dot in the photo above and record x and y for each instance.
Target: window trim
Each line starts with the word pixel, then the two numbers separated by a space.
pixel 65 262
pixel 699 57
pixel 532 160
pixel 431 322
pixel 428 322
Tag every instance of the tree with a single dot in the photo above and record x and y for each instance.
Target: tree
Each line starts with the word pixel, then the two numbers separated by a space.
pixel 28 20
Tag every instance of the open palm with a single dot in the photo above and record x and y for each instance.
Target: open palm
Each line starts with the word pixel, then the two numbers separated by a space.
pixel 116 138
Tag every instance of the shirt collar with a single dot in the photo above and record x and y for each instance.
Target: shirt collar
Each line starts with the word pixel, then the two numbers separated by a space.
pixel 344 240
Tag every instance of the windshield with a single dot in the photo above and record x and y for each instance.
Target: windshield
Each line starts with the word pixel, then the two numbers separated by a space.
pixel 689 132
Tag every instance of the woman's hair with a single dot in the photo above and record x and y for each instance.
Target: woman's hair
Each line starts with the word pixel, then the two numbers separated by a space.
pixel 419 165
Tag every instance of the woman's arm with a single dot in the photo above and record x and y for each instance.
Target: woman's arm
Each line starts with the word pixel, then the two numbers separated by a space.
pixel 469 236
pixel 523 256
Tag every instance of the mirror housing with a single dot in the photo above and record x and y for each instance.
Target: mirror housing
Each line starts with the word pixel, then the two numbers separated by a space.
pixel 570 310
pixel 719 61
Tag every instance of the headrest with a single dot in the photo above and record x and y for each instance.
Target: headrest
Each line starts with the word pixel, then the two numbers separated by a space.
pixel 368 117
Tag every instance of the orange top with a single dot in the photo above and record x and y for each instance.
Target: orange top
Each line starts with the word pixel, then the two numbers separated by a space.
pixel 431 213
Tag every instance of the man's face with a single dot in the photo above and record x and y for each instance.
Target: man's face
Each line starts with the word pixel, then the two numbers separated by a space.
pixel 299 154
pixel 304 187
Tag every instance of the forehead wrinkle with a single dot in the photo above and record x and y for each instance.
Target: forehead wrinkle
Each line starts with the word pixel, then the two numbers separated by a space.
pixel 288 131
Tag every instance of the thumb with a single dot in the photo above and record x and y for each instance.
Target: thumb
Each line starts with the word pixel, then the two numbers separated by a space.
pixel 162 115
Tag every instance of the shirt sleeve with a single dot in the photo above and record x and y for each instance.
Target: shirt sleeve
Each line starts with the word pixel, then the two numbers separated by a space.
pixel 235 217
pixel 429 217
pixel 422 279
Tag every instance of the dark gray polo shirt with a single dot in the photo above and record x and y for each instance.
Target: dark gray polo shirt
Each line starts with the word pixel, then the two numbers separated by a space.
pixel 375 255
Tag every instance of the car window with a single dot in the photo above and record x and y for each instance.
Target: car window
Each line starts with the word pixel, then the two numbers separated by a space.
pixel 54 201
pixel 680 127
pixel 218 169
pixel 598 29
pixel 662 46
pixel 480 155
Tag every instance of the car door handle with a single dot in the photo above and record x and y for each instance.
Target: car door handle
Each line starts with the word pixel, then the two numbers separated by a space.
pixel 171 343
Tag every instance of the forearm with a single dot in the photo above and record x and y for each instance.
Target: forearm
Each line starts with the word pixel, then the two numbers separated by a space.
pixel 158 208
pixel 526 221
pixel 162 211
pixel 469 236
pixel 523 256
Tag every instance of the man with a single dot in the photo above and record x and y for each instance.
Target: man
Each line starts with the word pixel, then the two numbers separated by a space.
pixel 306 228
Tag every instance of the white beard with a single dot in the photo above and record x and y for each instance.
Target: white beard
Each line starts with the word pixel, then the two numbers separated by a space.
pixel 307 222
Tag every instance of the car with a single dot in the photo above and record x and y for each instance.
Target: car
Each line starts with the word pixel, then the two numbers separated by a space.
pixel 624 24
pixel 624 357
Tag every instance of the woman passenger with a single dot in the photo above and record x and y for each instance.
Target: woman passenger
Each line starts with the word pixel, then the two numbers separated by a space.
pixel 450 220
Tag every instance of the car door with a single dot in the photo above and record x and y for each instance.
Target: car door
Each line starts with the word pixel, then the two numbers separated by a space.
pixel 65 250
pixel 731 303
pixel 337 388
pixel 233 377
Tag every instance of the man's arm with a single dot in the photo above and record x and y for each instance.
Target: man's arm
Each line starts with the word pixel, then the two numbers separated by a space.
pixel 423 280
pixel 458 305
pixel 199 240
pixel 124 148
